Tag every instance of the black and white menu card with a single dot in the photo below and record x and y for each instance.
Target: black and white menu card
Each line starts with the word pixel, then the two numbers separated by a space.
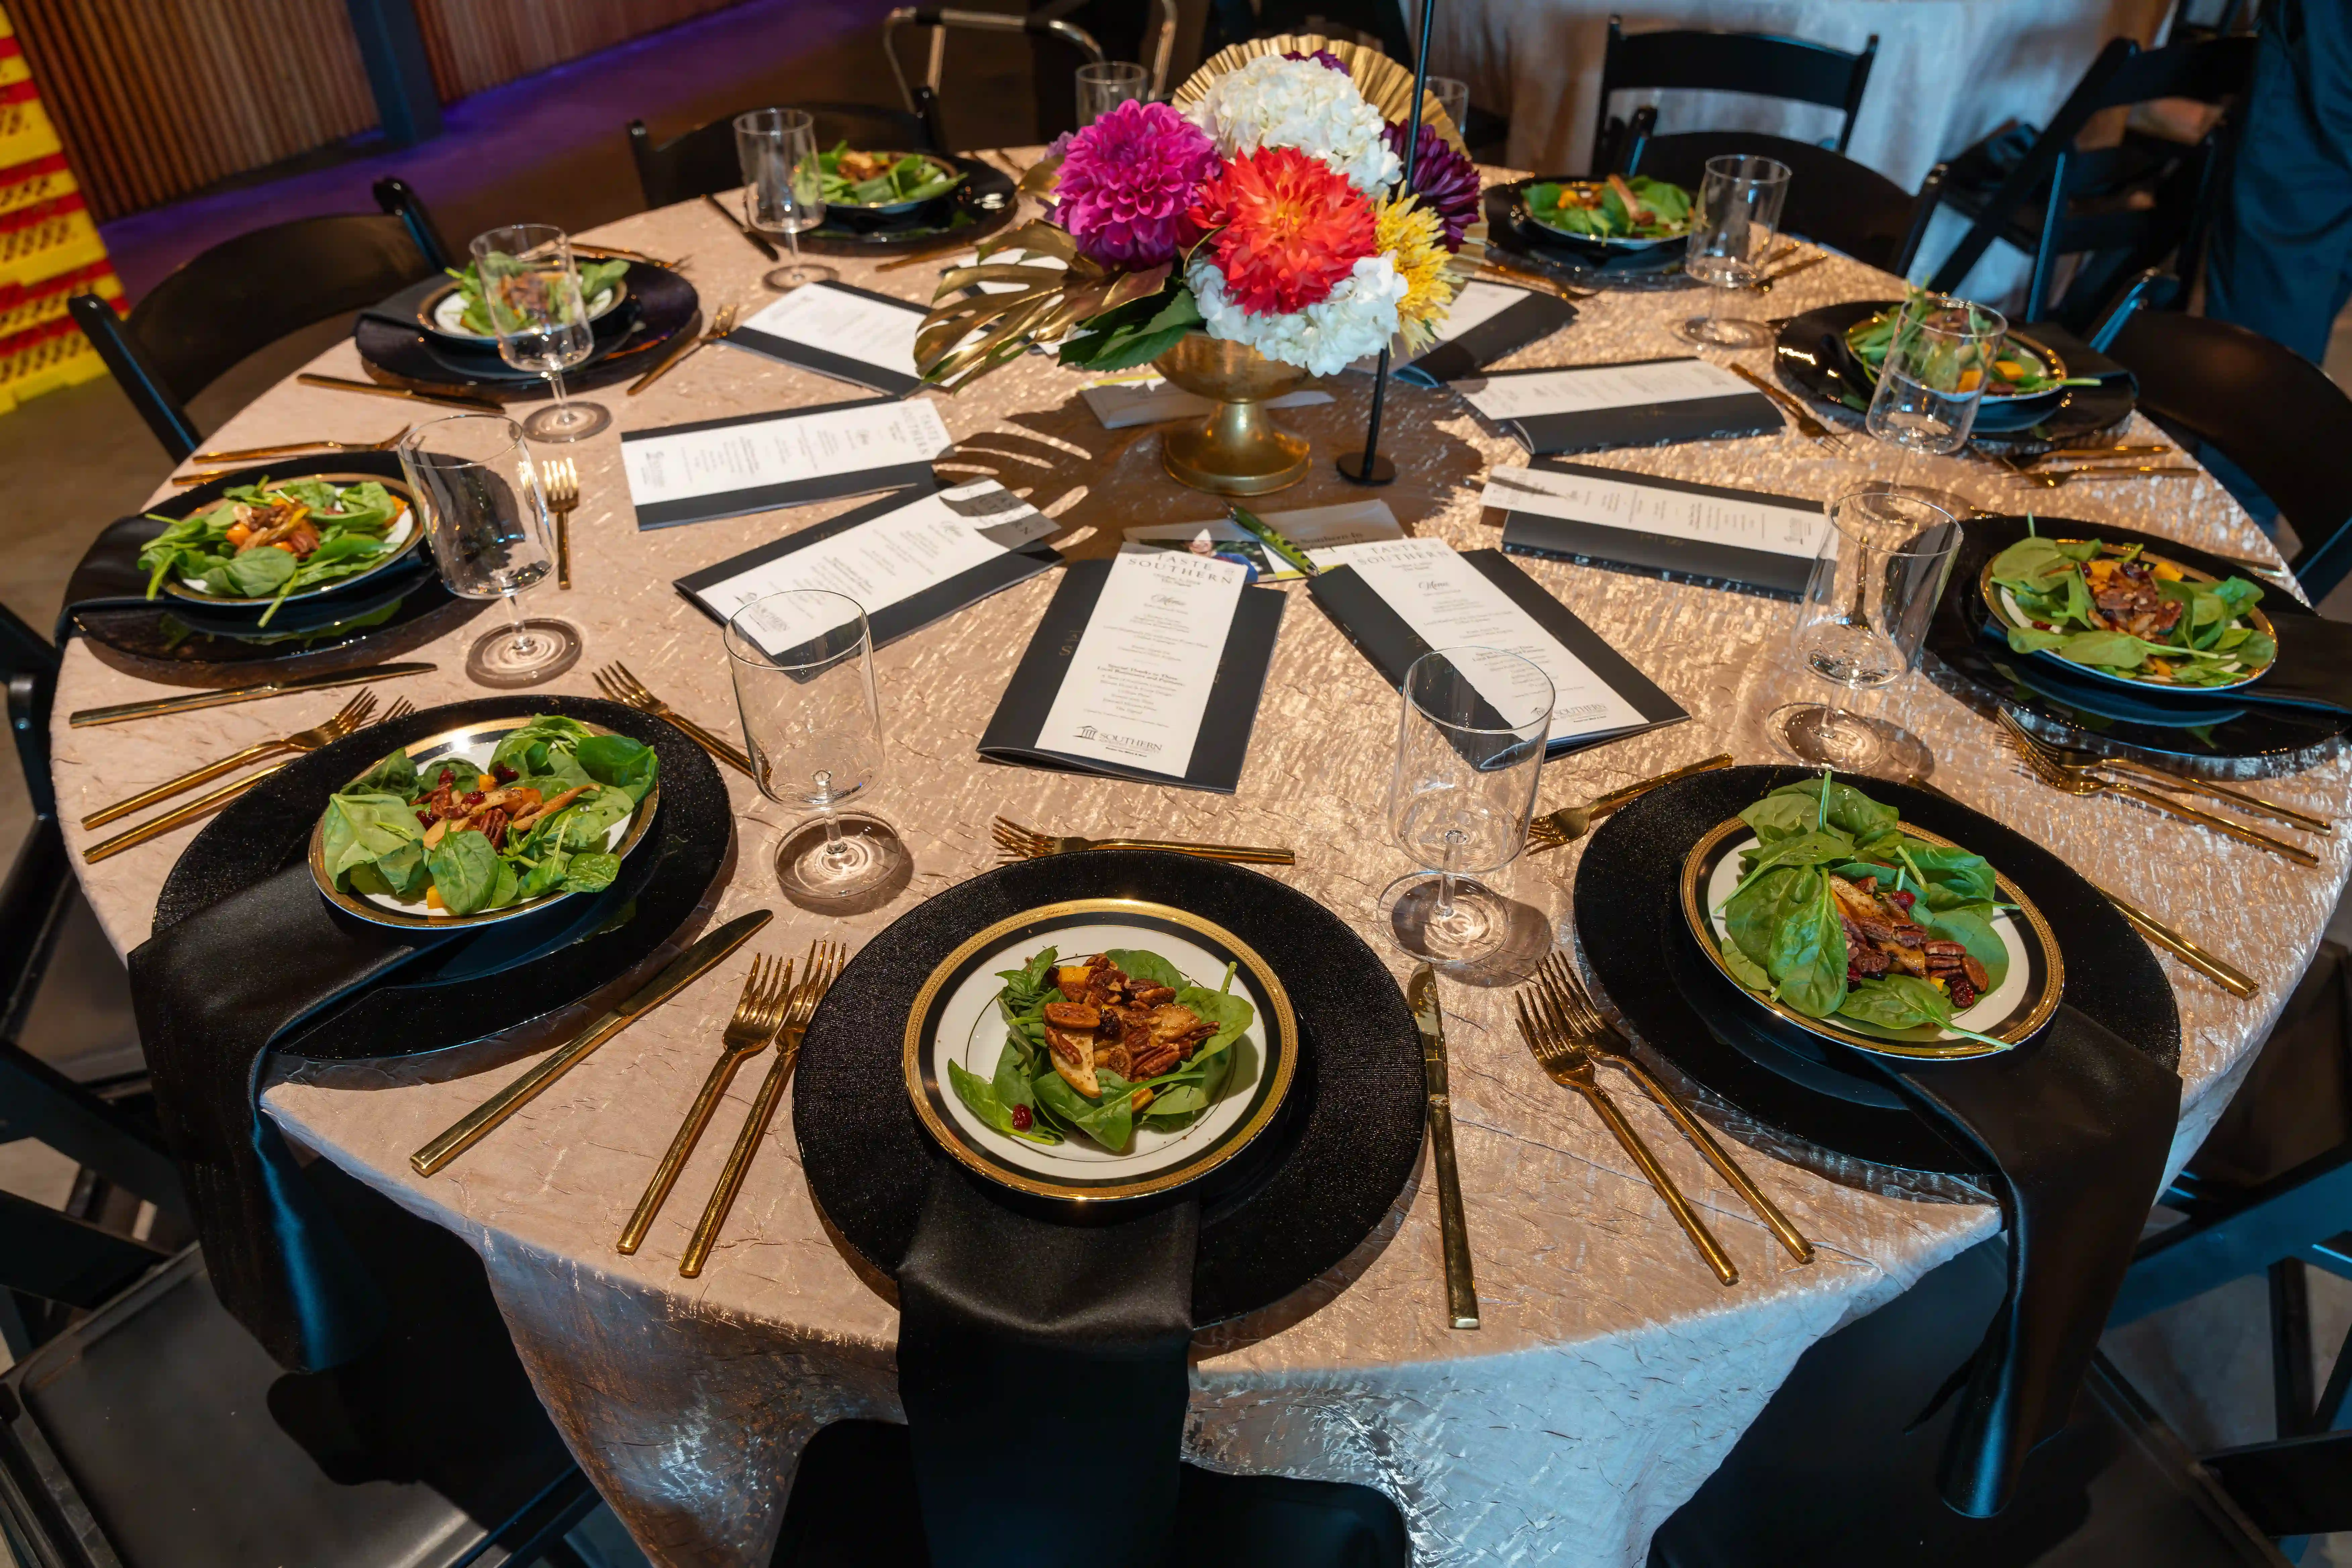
pixel 1399 599
pixel 1486 321
pixel 1703 533
pixel 758 462
pixel 1640 403
pixel 850 335
pixel 1147 667
pixel 907 558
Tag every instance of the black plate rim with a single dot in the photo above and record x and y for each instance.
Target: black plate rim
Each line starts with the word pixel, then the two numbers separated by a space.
pixel 378 341
pixel 980 177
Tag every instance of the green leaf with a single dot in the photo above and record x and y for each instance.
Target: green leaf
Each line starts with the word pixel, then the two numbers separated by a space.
pixel 620 760
pixel 1822 847
pixel 1808 956
pixel 1744 969
pixel 465 870
pixel 259 573
pixel 395 775
pixel 1896 1002
pixel 360 829
pixel 1972 926
pixel 1146 967
pixel 1231 1014
pixel 589 873
pixel 2033 639
pixel 2107 650
pixel 981 1098
pixel 1109 1122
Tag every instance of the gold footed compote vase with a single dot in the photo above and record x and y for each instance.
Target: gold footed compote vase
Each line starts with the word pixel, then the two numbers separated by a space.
pixel 1239 450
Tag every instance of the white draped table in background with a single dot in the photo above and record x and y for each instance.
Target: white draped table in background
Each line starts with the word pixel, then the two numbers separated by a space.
pixel 1612 1372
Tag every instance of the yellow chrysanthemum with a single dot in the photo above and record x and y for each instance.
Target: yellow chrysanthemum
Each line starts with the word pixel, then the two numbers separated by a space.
pixel 1414 240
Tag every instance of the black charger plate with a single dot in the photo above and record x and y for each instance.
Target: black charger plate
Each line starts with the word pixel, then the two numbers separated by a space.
pixel 1805 1090
pixel 1975 663
pixel 984 203
pixel 2083 412
pixel 1311 1191
pixel 1512 231
pixel 629 341
pixel 503 977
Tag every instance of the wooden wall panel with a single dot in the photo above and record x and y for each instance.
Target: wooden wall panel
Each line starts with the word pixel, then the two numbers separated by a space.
pixel 476 44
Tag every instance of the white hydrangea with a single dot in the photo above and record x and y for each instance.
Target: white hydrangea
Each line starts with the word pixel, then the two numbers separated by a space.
pixel 1274 102
pixel 1356 319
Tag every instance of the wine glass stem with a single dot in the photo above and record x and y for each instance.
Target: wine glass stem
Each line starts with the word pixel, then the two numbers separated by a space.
pixel 514 618
pixel 793 244
pixel 1445 876
pixel 835 851
pixel 555 383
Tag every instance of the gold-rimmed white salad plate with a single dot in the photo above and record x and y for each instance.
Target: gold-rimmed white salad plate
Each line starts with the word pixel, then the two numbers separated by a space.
pixel 2005 610
pixel 442 312
pixel 405 536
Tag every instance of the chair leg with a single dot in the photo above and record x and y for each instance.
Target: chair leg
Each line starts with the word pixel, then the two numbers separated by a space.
pixel 2291 1395
pixel 2278 1220
pixel 2328 1414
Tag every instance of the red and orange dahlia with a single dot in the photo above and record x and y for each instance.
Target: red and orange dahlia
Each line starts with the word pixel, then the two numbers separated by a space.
pixel 1286 228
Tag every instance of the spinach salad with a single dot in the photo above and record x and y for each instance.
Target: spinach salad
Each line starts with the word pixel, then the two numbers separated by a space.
pixel 267 540
pixel 1100 1047
pixel 856 179
pixel 2017 369
pixel 2113 609
pixel 1615 208
pixel 595 278
pixel 462 838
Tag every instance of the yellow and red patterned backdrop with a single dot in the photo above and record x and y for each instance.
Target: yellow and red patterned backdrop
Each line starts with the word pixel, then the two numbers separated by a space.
pixel 49 248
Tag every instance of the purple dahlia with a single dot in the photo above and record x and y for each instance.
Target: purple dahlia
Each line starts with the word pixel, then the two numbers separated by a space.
pixel 1445 180
pixel 1127 181
pixel 1324 57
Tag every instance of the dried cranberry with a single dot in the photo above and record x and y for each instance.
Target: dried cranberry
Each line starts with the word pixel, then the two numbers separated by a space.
pixel 473 797
pixel 503 773
pixel 1963 994
pixel 447 778
pixel 424 817
pixel 1902 899
pixel 1022 1119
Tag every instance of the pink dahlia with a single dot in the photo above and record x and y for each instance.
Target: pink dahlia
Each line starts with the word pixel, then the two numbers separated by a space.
pixel 1127 180
pixel 1445 180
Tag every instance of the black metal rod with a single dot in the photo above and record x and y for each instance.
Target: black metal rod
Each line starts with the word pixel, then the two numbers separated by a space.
pixel 1412 154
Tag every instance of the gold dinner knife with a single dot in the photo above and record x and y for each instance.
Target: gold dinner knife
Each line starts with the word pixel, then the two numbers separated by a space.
pixel 682 972
pixel 81 719
pixel 1429 1018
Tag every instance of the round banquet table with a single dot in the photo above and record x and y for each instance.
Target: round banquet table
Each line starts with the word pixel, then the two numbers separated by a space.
pixel 1612 1373
pixel 1948 71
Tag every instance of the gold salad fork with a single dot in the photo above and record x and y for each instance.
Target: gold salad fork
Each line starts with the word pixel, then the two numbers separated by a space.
pixel 155 826
pixel 2067 783
pixel 822 968
pixel 559 479
pixel 2051 479
pixel 248 454
pixel 760 1014
pixel 1015 842
pixel 2081 761
pixel 351 715
pixel 1809 426
pixel 1571 823
pixel 720 325
pixel 1567 1063
pixel 618 685
pixel 1570 1005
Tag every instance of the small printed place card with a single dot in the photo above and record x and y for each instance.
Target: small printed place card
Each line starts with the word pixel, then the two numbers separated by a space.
pixel 907 560
pixel 1399 599
pixel 1702 533
pixel 1486 321
pixel 850 335
pixel 1641 403
pixel 1147 400
pixel 758 462
pixel 1147 667
pixel 1312 529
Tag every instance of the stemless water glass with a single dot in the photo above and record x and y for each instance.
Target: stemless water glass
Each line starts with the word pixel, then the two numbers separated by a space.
pixel 479 493
pixel 1470 742
pixel 531 289
pixel 1734 226
pixel 1104 85
pixel 1934 377
pixel 803 669
pixel 1453 97
pixel 776 148
pixel 1882 565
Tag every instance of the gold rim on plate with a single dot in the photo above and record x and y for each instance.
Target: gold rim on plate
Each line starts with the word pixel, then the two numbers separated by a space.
pixel 434 748
pixel 2036 931
pixel 1281 1046
pixel 1990 591
pixel 174 586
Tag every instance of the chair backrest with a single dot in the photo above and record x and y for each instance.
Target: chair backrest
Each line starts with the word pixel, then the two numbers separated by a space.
pixel 702 160
pixel 1760 63
pixel 2272 412
pixel 1057 46
pixel 1832 200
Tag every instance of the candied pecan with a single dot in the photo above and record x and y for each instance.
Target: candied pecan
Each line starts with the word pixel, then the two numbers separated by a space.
pixel 1072 1016
pixel 492 825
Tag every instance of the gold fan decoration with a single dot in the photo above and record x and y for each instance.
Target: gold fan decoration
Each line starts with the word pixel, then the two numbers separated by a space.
pixel 966 336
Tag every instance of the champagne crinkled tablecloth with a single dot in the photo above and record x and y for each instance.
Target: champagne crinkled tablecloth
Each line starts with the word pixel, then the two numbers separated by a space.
pixel 1612 1372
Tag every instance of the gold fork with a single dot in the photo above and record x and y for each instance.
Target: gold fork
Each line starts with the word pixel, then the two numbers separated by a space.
pixel 352 714
pixel 1571 1007
pixel 1569 1064
pixel 247 454
pixel 720 325
pixel 2060 779
pixel 155 826
pixel 1015 842
pixel 1571 823
pixel 2081 761
pixel 1809 427
pixel 817 975
pixel 617 684
pixel 759 1015
pixel 2050 479
pixel 2085 455
pixel 559 481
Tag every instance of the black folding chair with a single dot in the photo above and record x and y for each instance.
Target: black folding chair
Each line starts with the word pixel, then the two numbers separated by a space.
pixel 702 160
pixel 1832 200
pixel 1759 63
pixel 246 293
pixel 2123 208
pixel 1059 47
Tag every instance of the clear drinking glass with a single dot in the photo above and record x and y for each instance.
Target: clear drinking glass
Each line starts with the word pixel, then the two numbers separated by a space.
pixel 531 289
pixel 776 148
pixel 1470 742
pixel 1734 226
pixel 1883 564
pixel 1453 97
pixel 478 492
pixel 803 670
pixel 1935 374
pixel 1104 85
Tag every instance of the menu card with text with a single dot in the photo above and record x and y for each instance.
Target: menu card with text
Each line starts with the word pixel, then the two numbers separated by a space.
pixel 758 462
pixel 1149 666
pixel 850 335
pixel 1640 403
pixel 1668 528
pixel 1486 321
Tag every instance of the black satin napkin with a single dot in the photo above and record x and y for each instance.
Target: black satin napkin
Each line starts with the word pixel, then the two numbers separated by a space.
pixel 210 993
pixel 2077 1124
pixel 1043 1368
pixel 109 576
